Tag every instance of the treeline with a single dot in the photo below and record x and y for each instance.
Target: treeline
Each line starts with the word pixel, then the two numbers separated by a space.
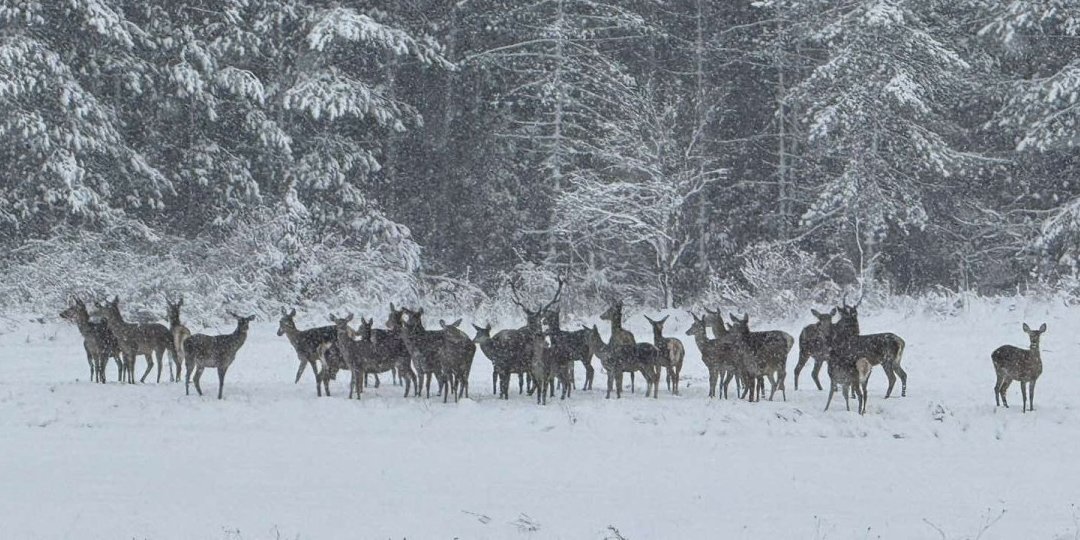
pixel 655 149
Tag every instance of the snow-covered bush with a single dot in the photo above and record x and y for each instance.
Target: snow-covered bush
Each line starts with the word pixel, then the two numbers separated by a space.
pixel 775 280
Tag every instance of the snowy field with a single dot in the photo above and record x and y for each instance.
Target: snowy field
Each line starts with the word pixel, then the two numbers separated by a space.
pixel 82 460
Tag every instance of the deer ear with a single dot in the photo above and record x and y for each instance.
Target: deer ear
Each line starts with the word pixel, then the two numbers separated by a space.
pixel 349 317
pixel 815 312
pixel 664 320
pixel 833 312
pixel 392 307
pixel 292 313
pixel 1027 328
pixel 1042 328
pixel 733 317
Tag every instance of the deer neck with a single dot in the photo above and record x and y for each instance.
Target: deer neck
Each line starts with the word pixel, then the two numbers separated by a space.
pixel 1035 352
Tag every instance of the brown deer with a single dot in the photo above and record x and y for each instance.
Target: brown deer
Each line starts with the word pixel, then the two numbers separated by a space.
pixel 202 351
pixel 150 340
pixel 99 343
pixel 1016 364
pixel 389 344
pixel 761 355
pixel 814 342
pixel 718 355
pixel 571 346
pixel 620 358
pixel 885 349
pixel 179 334
pixel 356 353
pixel 849 373
pixel 506 358
pixel 619 335
pixel 306 344
pixel 671 353
pixel 459 350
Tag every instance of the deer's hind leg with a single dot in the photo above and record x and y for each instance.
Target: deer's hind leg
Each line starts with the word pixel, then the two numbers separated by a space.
pixel 1023 396
pixel 159 355
pixel 1004 391
pixel 1031 396
pixel 221 380
pixel 198 376
pixel 997 388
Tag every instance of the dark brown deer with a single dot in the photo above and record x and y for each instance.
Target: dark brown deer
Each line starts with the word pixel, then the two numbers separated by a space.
pixel 814 342
pixel 1016 364
pixel 150 340
pixel 619 335
pixel 849 373
pixel 618 359
pixel 570 346
pixel 356 353
pixel 424 347
pixel 306 344
pixel 506 357
pixel 202 351
pixel 671 353
pixel 459 350
pixel 179 334
pixel 390 345
pixel 99 343
pixel 885 349
pixel 718 355
pixel 761 355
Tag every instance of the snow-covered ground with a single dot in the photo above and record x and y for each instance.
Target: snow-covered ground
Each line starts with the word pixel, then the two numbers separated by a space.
pixel 82 460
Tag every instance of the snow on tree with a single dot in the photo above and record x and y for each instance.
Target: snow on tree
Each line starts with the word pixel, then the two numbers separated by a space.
pixel 873 113
pixel 65 157
pixel 634 210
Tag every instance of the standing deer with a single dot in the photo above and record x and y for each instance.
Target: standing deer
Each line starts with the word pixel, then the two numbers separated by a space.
pixel 459 351
pixel 814 342
pixel 718 355
pixel 671 353
pixel 1016 364
pixel 886 349
pixel 150 340
pixel 202 351
pixel 620 358
pixel 357 354
pixel 390 344
pixel 99 343
pixel 619 335
pixel 179 334
pixel 306 344
pixel 424 346
pixel 571 346
pixel 762 355
pixel 848 366
pixel 505 354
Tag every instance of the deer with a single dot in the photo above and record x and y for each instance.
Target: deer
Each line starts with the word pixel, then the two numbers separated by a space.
pixel 390 344
pixel 505 356
pixel 1016 364
pixel 357 354
pixel 179 334
pixel 717 355
pixel 541 366
pixel 202 351
pixel 462 350
pixel 424 347
pixel 671 353
pixel 151 340
pixel 99 343
pixel 814 343
pixel 762 354
pixel 620 358
pixel 885 349
pixel 849 373
pixel 570 345
pixel 306 344
pixel 446 354
pixel 619 335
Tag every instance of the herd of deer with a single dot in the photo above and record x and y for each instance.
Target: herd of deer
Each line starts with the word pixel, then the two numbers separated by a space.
pixel 540 353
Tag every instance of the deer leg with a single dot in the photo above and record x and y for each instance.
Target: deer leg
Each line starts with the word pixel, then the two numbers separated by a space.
pixel 1023 396
pixel 1004 392
pixel 814 374
pixel 221 380
pixel 187 378
pixel 772 385
pixel 300 370
pixel 159 356
pixel 713 375
pixel 997 389
pixel 888 369
pixel 198 375
pixel 632 390
pixel 903 379
pixel 804 355
pixel 589 371
pixel 832 390
pixel 377 382
pixel 521 383
pixel 610 383
pixel 1031 397
pixel 781 378
pixel 847 401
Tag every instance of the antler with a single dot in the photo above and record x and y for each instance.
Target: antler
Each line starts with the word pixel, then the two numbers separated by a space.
pixel 558 291
pixel 514 295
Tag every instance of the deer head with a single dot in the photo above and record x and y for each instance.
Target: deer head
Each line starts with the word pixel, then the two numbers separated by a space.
pixel 1034 335
pixel 287 322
